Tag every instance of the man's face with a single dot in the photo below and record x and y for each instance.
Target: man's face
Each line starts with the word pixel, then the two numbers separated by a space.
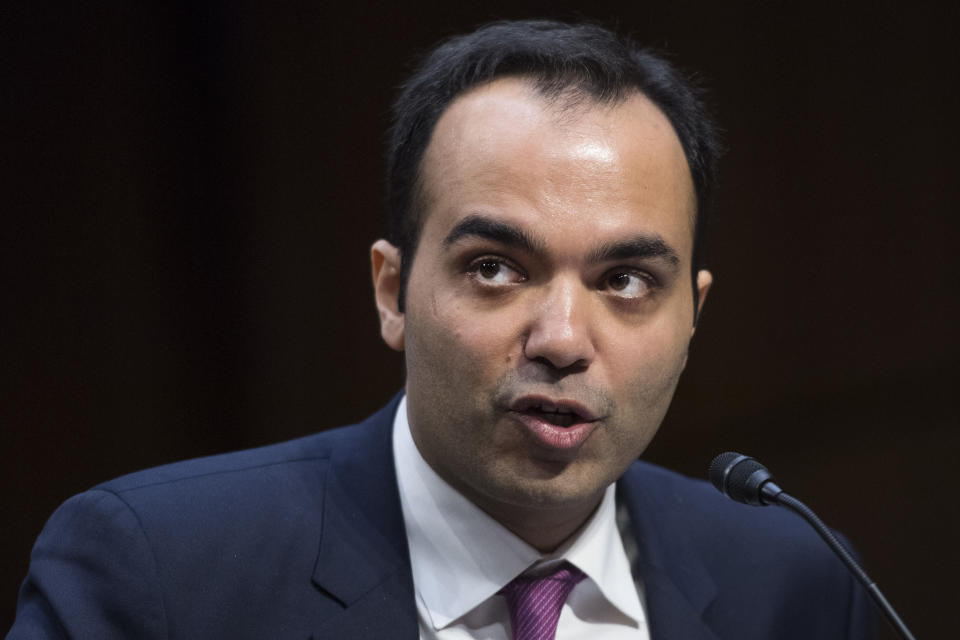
pixel 549 307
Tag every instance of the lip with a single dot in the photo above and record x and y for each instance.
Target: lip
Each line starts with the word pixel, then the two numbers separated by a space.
pixel 548 434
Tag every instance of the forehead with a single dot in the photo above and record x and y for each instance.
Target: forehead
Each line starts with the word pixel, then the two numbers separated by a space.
pixel 505 149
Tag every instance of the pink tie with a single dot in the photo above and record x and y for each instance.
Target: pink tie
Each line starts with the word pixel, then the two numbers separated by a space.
pixel 535 602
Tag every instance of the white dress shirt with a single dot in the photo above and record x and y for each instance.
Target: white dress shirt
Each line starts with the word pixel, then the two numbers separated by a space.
pixel 461 558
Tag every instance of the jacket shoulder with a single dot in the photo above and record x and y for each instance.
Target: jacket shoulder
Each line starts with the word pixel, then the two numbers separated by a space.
pixel 221 546
pixel 713 518
pixel 313 447
pixel 772 574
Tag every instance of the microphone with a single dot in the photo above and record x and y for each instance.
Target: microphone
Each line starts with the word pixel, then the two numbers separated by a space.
pixel 745 480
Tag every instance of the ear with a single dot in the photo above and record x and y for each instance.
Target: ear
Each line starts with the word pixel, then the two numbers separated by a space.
pixel 704 280
pixel 385 265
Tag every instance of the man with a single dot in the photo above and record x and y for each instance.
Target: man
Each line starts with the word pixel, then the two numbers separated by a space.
pixel 548 185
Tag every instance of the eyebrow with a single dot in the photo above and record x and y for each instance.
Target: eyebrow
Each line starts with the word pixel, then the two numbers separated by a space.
pixel 642 246
pixel 479 226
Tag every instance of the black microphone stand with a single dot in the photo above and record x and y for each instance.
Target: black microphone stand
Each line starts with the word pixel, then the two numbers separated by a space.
pixel 777 496
pixel 745 480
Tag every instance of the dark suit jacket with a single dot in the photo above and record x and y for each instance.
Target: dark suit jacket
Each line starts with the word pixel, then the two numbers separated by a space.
pixel 305 539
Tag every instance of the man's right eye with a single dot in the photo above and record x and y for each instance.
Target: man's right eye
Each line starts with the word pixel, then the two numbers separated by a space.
pixel 495 271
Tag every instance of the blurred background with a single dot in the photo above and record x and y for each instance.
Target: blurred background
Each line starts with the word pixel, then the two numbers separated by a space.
pixel 190 190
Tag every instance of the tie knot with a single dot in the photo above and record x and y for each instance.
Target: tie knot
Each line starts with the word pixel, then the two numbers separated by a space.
pixel 535 601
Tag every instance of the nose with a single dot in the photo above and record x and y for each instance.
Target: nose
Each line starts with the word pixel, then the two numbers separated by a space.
pixel 560 332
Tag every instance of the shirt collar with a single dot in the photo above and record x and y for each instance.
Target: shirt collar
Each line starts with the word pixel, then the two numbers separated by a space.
pixel 460 556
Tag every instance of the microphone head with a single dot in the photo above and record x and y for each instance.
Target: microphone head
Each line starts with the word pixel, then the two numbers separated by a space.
pixel 721 466
pixel 740 478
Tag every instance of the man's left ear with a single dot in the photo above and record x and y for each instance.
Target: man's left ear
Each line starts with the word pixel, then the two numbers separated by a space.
pixel 385 267
pixel 704 280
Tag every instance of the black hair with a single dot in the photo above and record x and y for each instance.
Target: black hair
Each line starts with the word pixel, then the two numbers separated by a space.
pixel 558 58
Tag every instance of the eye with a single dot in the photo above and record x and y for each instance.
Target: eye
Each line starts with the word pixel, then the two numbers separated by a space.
pixel 494 271
pixel 628 284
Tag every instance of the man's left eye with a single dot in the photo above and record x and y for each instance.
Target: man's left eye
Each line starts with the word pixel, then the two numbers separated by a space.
pixel 626 284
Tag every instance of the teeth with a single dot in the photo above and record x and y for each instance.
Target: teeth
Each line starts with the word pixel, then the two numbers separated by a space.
pixel 550 408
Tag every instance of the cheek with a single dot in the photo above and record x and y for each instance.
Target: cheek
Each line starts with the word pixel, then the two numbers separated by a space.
pixel 475 337
pixel 487 346
pixel 457 345
pixel 650 362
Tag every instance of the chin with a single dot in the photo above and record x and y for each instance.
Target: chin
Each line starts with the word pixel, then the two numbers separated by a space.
pixel 549 486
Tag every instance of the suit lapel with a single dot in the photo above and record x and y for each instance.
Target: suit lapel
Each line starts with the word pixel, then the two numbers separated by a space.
pixel 363 560
pixel 677 586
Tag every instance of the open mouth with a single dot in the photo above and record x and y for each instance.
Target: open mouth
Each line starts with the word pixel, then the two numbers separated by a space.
pixel 557 413
pixel 557 425
pixel 559 417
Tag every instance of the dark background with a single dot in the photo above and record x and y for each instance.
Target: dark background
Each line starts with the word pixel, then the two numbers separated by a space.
pixel 190 190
